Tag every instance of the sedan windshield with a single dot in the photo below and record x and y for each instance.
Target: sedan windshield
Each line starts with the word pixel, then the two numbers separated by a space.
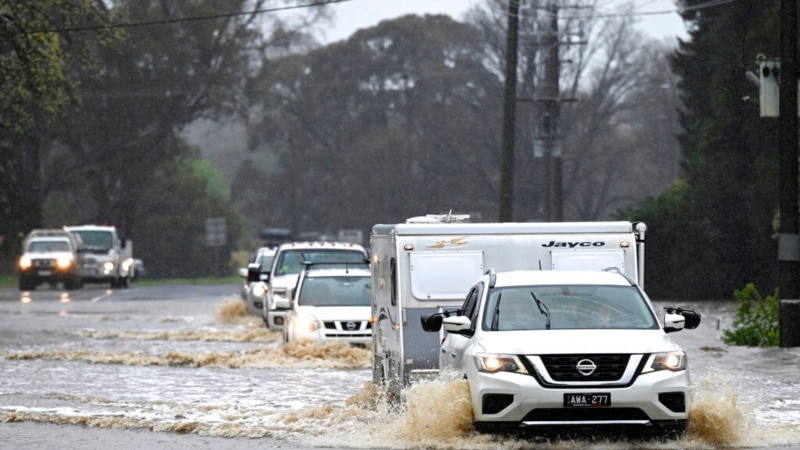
pixel 567 307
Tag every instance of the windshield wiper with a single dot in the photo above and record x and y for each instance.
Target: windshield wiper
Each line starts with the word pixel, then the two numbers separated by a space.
pixel 496 312
pixel 542 309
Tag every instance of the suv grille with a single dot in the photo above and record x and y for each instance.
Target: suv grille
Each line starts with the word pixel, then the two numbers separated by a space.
pixel 564 367
pixel 347 328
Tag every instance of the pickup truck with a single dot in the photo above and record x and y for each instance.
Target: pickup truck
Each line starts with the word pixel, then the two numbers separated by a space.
pixel 51 256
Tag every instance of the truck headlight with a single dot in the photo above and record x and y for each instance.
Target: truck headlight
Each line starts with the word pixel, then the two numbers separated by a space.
pixel 673 361
pixel 259 290
pixel 25 263
pixel 492 363
pixel 108 267
pixel 63 263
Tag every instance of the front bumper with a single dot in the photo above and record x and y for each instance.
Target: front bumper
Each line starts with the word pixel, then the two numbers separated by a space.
pixel 356 332
pixel 661 396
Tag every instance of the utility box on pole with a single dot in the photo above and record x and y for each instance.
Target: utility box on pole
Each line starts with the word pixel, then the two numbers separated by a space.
pixel 769 86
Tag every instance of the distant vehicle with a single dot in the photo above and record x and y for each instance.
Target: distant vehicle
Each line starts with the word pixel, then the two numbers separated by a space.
pixel 108 258
pixel 273 237
pixel 331 304
pixel 138 268
pixel 254 275
pixel 286 267
pixel 51 256
pixel 548 348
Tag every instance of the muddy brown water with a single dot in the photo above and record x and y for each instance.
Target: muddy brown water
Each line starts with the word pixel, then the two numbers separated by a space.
pixel 185 367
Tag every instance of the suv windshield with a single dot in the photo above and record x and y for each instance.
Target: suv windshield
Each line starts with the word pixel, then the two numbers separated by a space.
pixel 335 291
pixel 291 261
pixel 567 307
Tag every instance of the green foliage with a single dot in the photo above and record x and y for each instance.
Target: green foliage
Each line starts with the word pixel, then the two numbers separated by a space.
pixel 170 231
pixel 756 321
pixel 719 232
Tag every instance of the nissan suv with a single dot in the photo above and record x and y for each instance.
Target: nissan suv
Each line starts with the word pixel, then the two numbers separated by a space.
pixel 331 304
pixel 567 350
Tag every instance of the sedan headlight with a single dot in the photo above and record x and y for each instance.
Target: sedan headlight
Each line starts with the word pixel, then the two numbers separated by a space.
pixel 673 361
pixel 492 363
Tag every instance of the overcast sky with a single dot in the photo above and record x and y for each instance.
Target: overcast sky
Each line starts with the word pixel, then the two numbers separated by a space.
pixel 658 18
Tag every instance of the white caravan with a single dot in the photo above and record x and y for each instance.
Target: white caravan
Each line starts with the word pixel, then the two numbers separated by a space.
pixel 428 264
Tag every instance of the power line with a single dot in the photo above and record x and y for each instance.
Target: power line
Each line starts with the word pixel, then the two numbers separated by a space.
pixel 184 19
pixel 600 14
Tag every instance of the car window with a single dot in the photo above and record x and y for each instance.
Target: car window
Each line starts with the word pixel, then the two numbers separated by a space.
pixel 48 246
pixel 265 262
pixel 469 307
pixel 291 261
pixel 335 291
pixel 568 307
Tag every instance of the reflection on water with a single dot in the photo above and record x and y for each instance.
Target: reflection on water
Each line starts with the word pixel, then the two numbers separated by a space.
pixel 214 371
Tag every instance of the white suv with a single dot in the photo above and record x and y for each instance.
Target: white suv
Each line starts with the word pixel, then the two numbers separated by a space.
pixel 286 267
pixel 565 350
pixel 331 304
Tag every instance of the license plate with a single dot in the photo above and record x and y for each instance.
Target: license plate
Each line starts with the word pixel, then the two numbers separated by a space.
pixel 594 400
pixel 45 273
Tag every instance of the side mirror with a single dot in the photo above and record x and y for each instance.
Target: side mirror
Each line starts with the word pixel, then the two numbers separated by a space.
pixel 677 319
pixel 432 322
pixel 243 272
pixel 252 272
pixel 456 324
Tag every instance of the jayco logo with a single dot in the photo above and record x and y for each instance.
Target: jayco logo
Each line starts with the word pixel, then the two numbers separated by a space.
pixel 574 244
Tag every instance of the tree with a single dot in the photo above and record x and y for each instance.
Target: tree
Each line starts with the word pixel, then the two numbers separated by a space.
pixel 715 234
pixel 618 108
pixel 35 56
pixel 394 118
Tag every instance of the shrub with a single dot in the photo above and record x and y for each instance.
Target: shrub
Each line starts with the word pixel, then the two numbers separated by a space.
pixel 756 322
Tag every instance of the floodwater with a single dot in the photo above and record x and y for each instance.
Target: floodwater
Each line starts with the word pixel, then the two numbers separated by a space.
pixel 189 361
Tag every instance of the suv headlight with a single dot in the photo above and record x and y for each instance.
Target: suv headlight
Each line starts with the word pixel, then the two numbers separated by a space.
pixel 673 361
pixel 492 363
pixel 307 324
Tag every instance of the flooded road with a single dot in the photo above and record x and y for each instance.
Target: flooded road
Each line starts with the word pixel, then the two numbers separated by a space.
pixel 182 366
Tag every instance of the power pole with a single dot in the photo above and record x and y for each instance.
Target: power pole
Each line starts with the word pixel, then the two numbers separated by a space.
pixel 548 106
pixel 509 114
pixel 553 116
pixel 788 238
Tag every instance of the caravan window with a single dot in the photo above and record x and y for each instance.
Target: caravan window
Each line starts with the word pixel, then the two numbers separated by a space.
pixel 444 275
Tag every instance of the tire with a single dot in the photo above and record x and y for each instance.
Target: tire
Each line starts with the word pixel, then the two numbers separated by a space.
pixel 124 283
pixel 26 284
pixel 496 427
pixel 71 284
pixel 669 430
